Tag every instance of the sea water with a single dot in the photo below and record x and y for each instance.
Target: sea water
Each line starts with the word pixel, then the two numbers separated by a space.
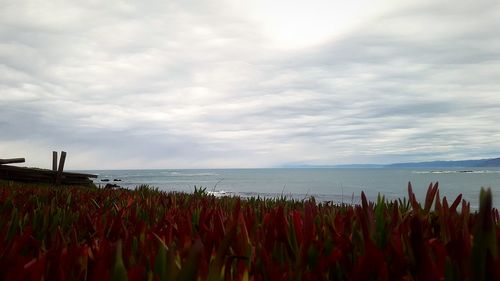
pixel 324 184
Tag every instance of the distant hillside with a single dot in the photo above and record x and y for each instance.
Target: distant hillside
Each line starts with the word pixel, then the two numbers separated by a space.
pixel 492 162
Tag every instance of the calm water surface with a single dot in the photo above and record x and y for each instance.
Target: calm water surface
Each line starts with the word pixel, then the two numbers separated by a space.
pixel 325 184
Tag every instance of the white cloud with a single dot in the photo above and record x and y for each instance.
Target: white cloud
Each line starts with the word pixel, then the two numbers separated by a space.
pixel 228 84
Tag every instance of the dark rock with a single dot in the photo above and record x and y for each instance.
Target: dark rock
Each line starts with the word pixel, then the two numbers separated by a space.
pixel 117 180
pixel 104 179
pixel 111 186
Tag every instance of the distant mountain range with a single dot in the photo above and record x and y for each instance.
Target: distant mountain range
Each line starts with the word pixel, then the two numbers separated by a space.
pixel 490 162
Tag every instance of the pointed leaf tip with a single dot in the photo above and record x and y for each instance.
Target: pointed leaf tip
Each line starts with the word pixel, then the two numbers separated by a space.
pixel 119 273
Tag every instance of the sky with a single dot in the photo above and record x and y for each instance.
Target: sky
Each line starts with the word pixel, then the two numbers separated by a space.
pixel 244 84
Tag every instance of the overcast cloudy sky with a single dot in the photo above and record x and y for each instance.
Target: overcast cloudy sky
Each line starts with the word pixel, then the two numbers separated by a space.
pixel 257 83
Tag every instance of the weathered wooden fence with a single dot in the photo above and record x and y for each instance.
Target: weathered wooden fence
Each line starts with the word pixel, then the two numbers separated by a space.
pixel 56 175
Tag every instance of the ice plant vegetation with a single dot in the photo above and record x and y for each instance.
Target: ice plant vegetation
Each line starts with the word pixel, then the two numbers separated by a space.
pixel 75 233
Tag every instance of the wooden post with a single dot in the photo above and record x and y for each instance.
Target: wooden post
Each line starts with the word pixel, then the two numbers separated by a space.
pixel 61 167
pixel 54 160
pixel 11 161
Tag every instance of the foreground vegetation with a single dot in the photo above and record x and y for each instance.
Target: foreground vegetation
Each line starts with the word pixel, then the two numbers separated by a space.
pixel 74 233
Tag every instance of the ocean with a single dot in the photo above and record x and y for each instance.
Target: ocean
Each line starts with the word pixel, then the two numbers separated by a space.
pixel 325 184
